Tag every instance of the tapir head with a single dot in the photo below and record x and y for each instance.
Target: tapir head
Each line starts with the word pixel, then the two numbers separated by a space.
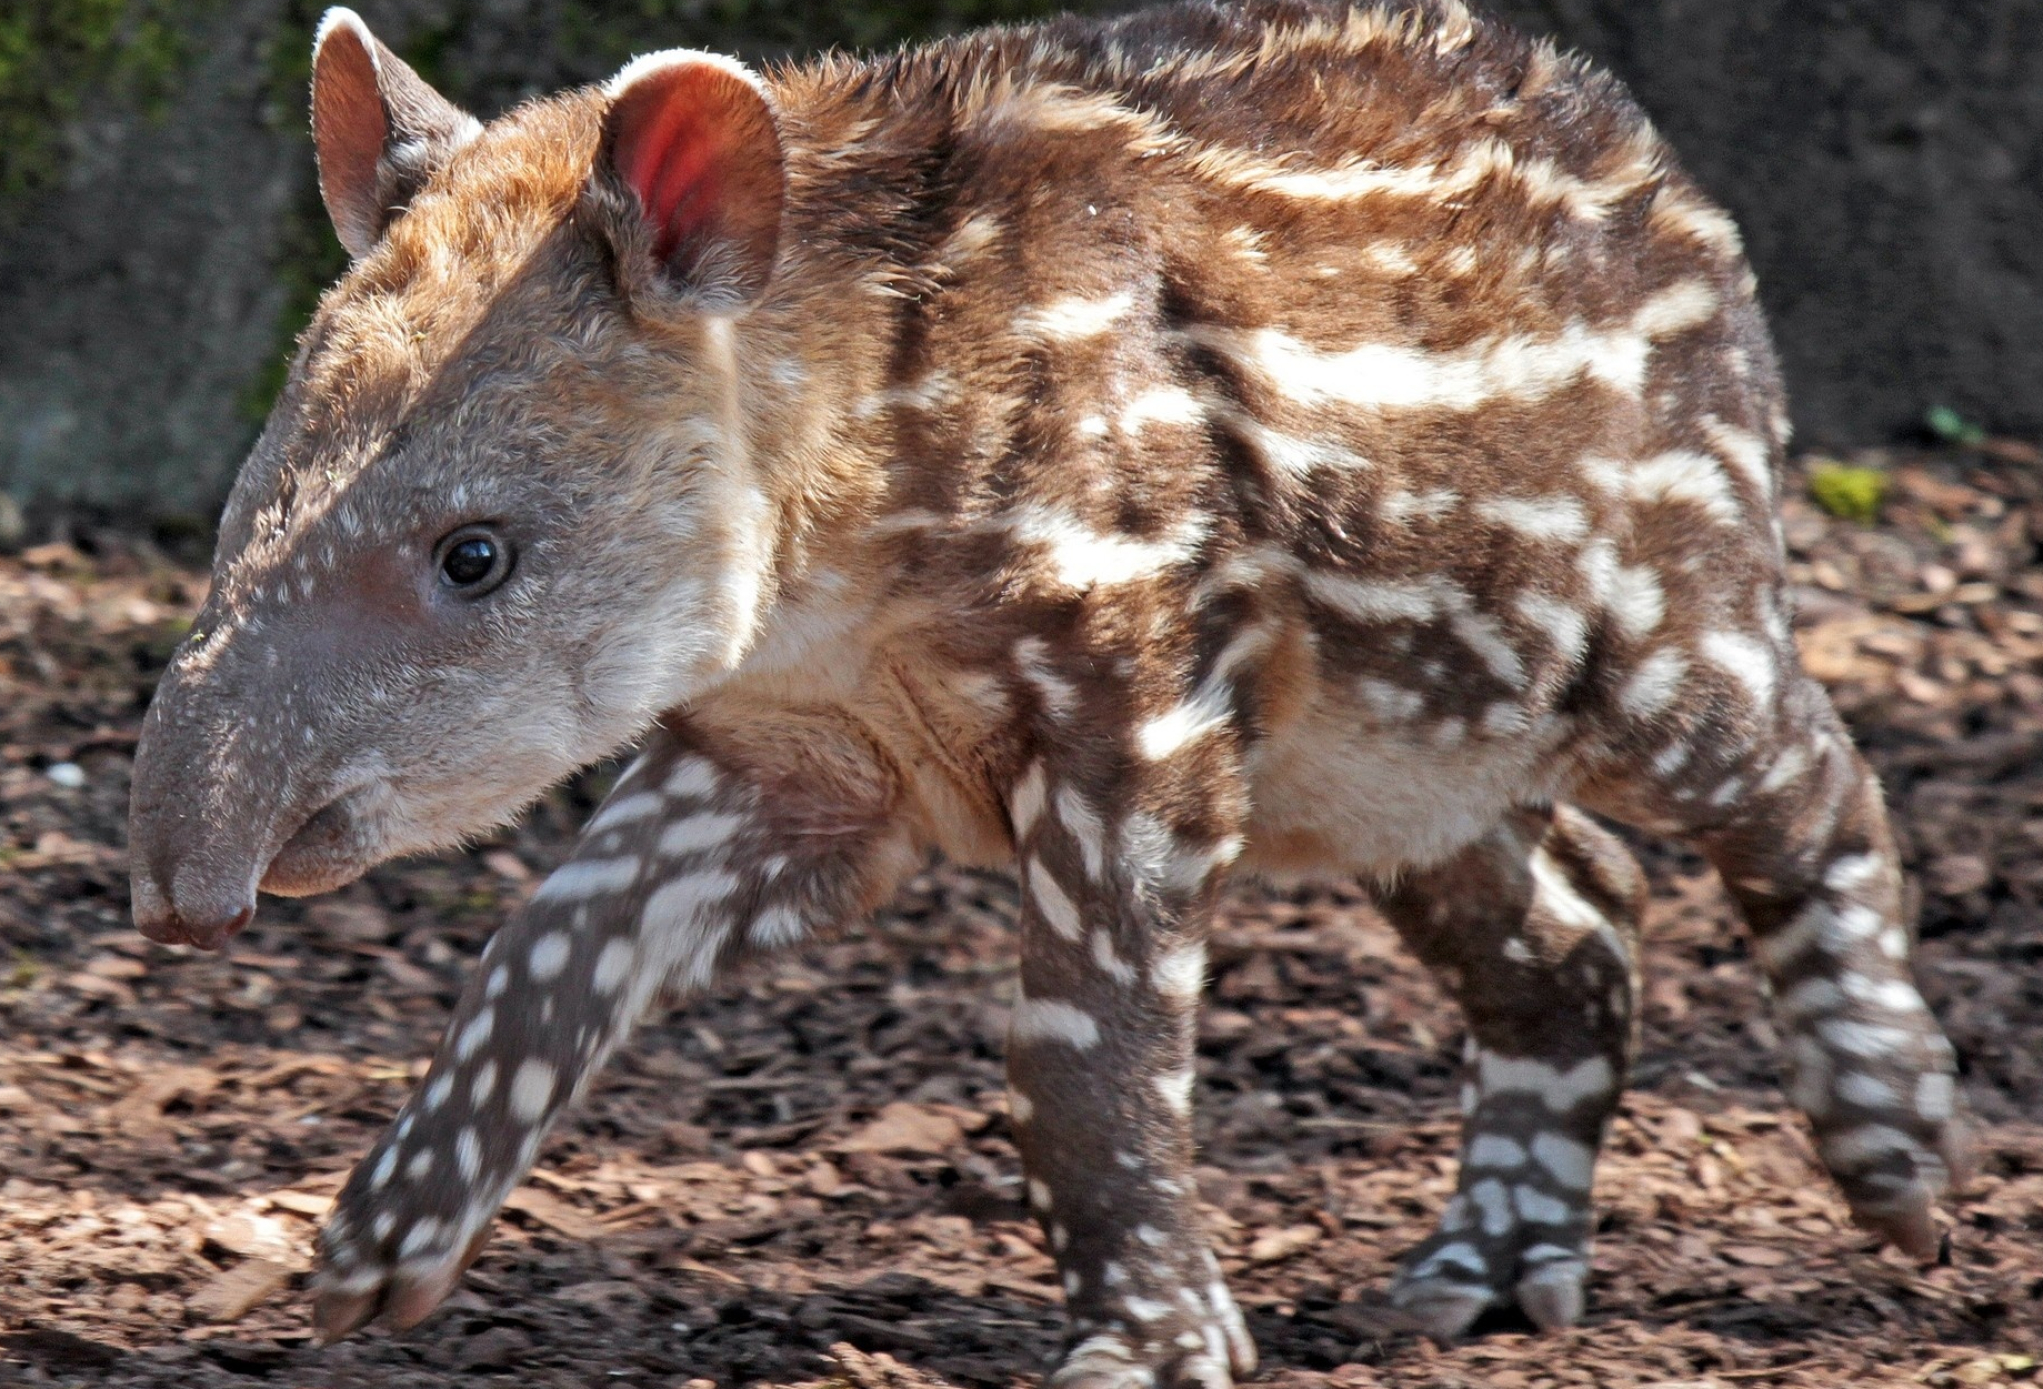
pixel 504 512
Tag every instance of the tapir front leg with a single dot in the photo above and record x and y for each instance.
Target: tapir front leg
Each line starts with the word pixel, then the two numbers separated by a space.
pixel 714 845
pixel 1118 878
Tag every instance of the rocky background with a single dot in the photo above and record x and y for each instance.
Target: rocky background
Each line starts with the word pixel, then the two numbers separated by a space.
pixel 161 240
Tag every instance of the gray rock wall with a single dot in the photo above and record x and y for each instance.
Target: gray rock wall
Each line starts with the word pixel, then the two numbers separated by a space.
pixel 1884 156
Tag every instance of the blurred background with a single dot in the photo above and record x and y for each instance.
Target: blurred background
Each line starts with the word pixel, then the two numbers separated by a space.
pixel 161 239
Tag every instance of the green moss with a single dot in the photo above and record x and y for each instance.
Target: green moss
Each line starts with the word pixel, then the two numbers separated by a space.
pixel 56 53
pixel 1953 428
pixel 1851 494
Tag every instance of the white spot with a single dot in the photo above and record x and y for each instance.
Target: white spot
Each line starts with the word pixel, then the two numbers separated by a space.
pixel 379 1176
pixel 1031 659
pixel 1494 1150
pixel 531 1089
pixel 1085 827
pixel 435 1095
pixel 421 1163
pixel 1109 962
pixel 624 809
pixel 1204 713
pixel 1866 1144
pixel 1560 1091
pixel 680 933
pixel 1020 1107
pixel 1747 661
pixel 1050 1020
pixel 483 1086
pixel 1894 995
pixel 422 1236
pixel 1636 601
pixel 1568 1162
pixel 549 956
pixel 1074 318
pixel 1682 475
pixel 1176 1089
pixel 694 777
pixel 1164 405
pixel 1537 518
pixel 1853 871
pixel 1462 1256
pixel 468 1154
pixel 1535 1205
pixel 1870 1040
pixel 1145 1309
pixel 588 878
pixel 1027 800
pixel 1654 684
pixel 1039 1195
pixel 1935 1097
pixel 1390 703
pixel 1786 768
pixel 1494 1203
pixel 1745 451
pixel 1386 376
pixel 475 1034
pixel 1369 601
pixel 1868 1092
pixel 698 832
pixel 1564 626
pixel 931 392
pixel 1401 507
pixel 612 965
pixel 777 926
pixel 1180 972
pixel 1082 559
pixel 1051 900
pixel 1155 856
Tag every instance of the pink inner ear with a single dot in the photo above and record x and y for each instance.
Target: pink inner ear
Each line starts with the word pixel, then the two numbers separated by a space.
pixel 671 152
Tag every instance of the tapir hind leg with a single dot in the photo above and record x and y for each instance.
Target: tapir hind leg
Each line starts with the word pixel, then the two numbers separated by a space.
pixel 1534 931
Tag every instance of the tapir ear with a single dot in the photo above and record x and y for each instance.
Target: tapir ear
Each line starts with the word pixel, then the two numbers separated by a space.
pixel 379 129
pixel 695 141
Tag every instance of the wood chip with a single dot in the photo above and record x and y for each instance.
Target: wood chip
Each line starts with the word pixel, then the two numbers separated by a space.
pixel 233 1292
pixel 907 1128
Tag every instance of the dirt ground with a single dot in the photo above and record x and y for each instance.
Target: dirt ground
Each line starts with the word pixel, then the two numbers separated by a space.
pixel 808 1176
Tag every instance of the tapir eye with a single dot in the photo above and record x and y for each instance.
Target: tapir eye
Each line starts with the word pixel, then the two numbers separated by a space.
pixel 474 561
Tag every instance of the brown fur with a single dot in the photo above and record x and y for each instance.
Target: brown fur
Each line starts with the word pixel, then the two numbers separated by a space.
pixel 1285 437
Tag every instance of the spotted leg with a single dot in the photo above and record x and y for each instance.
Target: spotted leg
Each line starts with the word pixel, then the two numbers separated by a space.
pixel 716 844
pixel 1534 930
pixel 1114 917
pixel 1791 817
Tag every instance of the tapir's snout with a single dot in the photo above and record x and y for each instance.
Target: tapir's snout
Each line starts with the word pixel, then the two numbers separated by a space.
pixel 207 920
pixel 196 863
pixel 204 812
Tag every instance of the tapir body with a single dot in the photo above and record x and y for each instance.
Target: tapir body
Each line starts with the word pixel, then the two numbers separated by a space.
pixel 1281 438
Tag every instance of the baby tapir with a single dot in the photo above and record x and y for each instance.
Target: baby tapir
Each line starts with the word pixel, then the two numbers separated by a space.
pixel 1271 437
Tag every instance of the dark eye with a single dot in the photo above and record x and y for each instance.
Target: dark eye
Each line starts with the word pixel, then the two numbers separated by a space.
pixel 474 561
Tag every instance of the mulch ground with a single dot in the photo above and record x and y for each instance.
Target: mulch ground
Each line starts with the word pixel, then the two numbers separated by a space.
pixel 808 1177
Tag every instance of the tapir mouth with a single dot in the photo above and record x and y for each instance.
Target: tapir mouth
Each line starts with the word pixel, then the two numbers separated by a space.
pixel 327 850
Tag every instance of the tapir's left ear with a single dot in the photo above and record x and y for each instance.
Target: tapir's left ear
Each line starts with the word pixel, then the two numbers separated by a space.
pixel 695 141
